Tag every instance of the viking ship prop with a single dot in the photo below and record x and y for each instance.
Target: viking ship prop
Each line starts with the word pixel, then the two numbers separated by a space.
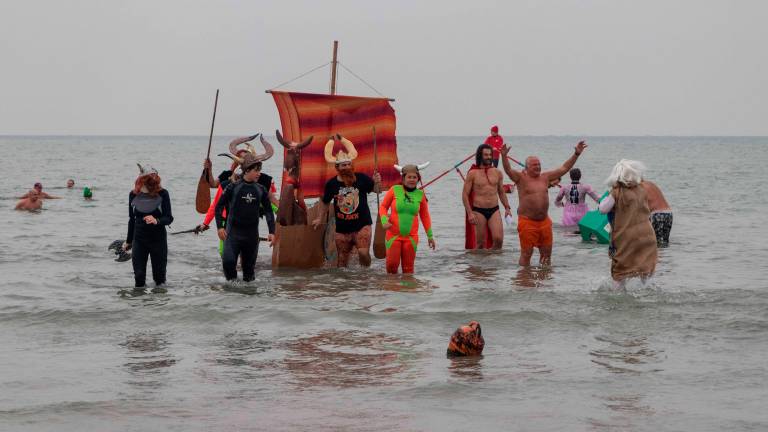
pixel 307 121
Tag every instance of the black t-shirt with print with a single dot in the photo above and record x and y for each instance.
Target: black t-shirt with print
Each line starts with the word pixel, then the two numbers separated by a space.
pixel 350 203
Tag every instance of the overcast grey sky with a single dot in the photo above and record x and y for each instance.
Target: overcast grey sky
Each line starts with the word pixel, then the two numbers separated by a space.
pixel 610 67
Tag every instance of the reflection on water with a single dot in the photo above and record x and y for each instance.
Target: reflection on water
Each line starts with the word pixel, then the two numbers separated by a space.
pixel 627 355
pixel 477 273
pixel 623 411
pixel 347 358
pixel 466 368
pixel 148 358
pixel 532 276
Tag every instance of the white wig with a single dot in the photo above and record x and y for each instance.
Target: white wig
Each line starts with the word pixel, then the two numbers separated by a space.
pixel 627 172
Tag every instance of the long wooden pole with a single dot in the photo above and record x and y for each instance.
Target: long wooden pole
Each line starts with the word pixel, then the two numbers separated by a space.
pixel 334 64
pixel 213 122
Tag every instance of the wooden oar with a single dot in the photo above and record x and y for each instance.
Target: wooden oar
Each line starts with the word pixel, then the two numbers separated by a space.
pixel 448 170
pixel 379 245
pixel 203 196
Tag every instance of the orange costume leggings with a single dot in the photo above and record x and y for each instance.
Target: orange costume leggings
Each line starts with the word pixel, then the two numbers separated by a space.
pixel 401 251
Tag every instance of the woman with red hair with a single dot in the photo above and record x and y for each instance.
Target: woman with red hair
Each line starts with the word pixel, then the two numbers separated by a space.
pixel 149 211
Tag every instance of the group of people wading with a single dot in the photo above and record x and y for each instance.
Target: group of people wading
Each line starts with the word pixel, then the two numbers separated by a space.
pixel 244 197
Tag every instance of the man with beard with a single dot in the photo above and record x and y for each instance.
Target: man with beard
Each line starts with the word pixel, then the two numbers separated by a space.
pixel 483 188
pixel 349 191
pixel 533 223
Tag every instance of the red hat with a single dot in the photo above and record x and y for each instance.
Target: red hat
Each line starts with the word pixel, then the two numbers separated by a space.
pixel 495 129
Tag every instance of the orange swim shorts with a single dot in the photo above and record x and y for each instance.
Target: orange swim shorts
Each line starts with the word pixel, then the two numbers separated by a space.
pixel 534 233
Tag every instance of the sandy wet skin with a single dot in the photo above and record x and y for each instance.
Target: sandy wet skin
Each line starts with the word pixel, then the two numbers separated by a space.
pixel 359 350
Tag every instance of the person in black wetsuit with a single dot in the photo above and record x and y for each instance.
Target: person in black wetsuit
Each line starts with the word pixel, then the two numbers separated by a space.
pixel 245 202
pixel 149 211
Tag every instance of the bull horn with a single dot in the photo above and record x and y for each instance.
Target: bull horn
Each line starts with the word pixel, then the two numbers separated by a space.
pixel 237 141
pixel 305 143
pixel 398 168
pixel 268 150
pixel 282 140
pixel 233 157
pixel 328 152
pixel 351 151
pixel 422 166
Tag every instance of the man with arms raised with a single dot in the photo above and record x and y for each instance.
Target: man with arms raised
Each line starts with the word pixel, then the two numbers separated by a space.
pixel 483 188
pixel 533 223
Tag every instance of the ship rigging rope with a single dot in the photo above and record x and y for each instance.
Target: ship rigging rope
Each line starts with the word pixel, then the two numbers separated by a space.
pixel 302 75
pixel 361 80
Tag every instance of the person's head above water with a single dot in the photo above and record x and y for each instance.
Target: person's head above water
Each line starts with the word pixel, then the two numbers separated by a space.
pixel 575 174
pixel 70 184
pixel 38 187
pixel 467 340
pixel 533 166
pixel 484 156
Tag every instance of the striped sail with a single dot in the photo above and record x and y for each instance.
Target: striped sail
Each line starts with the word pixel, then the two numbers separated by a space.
pixel 305 114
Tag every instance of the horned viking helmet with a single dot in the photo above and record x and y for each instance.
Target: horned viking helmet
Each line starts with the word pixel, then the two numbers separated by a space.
pixel 146 170
pixel 250 156
pixel 403 170
pixel 342 156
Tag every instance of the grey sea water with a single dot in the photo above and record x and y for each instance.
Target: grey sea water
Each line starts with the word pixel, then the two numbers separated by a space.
pixel 359 350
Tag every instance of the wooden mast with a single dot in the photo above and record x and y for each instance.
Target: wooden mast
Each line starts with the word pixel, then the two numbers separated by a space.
pixel 334 66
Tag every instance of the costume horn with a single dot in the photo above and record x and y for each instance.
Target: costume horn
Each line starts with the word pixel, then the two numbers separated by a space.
pixel 237 141
pixel 328 152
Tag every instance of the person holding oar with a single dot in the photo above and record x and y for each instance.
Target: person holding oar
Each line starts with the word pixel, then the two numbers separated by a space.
pixel 244 202
pixel 533 223
pixel 228 176
pixel 400 210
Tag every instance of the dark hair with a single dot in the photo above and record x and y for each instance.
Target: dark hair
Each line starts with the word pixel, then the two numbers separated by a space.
pixel 479 153
pixel 257 166
pixel 575 174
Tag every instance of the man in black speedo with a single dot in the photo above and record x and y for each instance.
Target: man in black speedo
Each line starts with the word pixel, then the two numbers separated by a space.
pixel 245 201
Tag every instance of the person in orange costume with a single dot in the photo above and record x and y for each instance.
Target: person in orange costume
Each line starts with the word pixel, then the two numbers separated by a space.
pixel 405 204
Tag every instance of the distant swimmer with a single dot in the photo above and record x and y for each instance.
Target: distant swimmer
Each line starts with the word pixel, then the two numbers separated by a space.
pixel 349 192
pixel 70 184
pixel 633 249
pixel 149 212
pixel 661 213
pixel 244 202
pixel 496 142
pixel 31 202
pixel 533 223
pixel 400 210
pixel 575 206
pixel 483 188
pixel 40 194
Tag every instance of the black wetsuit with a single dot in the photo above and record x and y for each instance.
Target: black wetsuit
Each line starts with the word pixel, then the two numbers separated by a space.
pixel 245 203
pixel 149 241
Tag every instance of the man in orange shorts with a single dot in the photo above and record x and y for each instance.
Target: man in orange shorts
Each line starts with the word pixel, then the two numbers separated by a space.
pixel 533 222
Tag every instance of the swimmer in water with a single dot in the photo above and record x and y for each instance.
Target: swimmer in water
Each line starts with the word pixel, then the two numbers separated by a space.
pixel 40 194
pixel 70 184
pixel 31 202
